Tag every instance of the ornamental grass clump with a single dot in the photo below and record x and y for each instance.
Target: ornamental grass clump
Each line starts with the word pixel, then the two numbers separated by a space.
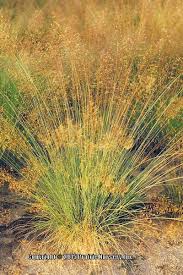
pixel 90 117
pixel 89 163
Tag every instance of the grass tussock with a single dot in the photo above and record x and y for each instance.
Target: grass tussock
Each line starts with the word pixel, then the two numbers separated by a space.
pixel 91 116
